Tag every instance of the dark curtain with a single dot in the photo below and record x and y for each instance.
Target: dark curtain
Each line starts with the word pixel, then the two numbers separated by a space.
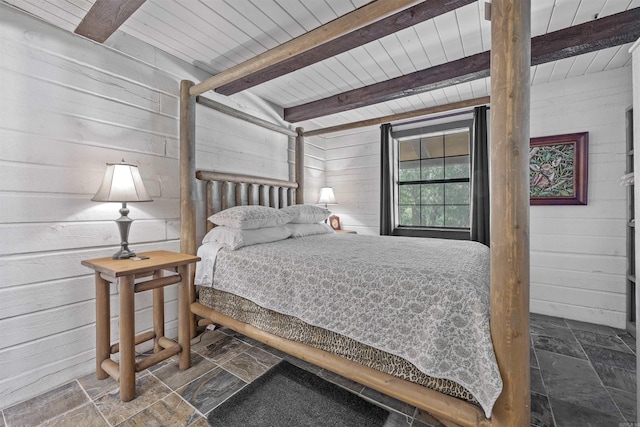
pixel 480 177
pixel 386 181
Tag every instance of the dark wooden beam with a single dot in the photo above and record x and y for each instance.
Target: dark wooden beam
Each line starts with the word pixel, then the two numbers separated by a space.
pixel 105 17
pixel 404 19
pixel 591 36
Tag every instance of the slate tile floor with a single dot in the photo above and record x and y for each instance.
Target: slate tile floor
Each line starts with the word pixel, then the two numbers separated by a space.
pixel 581 375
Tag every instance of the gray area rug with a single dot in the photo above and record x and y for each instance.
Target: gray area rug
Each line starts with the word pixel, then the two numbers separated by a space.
pixel 289 396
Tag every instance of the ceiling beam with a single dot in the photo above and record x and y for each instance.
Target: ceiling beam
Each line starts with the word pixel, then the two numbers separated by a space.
pixel 406 18
pixel 105 17
pixel 360 17
pixel 602 33
pixel 400 116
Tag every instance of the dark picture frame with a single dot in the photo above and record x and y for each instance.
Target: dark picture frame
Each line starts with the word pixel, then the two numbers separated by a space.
pixel 558 169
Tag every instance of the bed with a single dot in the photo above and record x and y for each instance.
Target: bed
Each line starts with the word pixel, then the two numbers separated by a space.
pixel 417 309
pixel 508 294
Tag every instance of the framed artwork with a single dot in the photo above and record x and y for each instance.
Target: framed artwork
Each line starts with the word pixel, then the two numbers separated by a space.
pixel 334 222
pixel 558 169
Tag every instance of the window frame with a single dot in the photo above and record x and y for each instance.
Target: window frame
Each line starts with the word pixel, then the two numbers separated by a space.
pixel 424 231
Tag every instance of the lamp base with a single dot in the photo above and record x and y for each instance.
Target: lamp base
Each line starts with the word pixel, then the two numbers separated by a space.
pixel 123 253
pixel 124 223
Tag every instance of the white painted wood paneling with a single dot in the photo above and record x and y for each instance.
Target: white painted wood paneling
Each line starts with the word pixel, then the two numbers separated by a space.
pixel 578 260
pixel 71 105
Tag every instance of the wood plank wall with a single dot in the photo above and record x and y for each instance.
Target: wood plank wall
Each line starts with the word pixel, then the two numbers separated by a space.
pixel 68 106
pixel 578 258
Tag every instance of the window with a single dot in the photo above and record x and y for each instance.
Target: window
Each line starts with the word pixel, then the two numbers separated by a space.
pixel 433 178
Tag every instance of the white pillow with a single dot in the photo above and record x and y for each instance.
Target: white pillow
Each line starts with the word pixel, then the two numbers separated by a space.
pixel 306 214
pixel 236 238
pixel 250 217
pixel 301 230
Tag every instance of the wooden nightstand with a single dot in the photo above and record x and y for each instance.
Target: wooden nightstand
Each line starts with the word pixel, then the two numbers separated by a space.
pixel 346 231
pixel 124 272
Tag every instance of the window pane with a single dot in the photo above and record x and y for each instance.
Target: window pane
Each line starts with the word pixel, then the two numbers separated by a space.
pixel 433 216
pixel 457 167
pixel 456 193
pixel 456 144
pixel 432 147
pixel 410 194
pixel 433 194
pixel 432 169
pixel 409 150
pixel 457 216
pixel 409 215
pixel 409 171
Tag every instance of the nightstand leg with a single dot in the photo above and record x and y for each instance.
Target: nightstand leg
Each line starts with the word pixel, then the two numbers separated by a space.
pixel 103 327
pixel 158 313
pixel 127 339
pixel 184 317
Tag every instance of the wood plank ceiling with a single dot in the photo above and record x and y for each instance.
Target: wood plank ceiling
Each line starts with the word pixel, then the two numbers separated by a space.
pixel 218 34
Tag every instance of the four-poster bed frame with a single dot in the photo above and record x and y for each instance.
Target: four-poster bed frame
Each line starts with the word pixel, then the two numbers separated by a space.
pixel 510 65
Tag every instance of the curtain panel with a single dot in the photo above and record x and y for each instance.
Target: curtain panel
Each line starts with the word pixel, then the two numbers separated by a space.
pixel 480 177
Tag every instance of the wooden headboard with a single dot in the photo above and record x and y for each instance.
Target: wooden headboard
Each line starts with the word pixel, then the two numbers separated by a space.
pixel 246 190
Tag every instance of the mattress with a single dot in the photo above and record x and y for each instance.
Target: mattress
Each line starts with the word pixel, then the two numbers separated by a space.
pixel 425 301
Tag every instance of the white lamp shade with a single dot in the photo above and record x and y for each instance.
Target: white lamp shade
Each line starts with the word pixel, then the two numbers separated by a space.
pixel 327 197
pixel 121 183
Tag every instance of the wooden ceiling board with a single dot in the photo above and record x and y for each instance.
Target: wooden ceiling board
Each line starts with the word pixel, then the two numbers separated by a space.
pixel 396 51
pixel 300 13
pixel 430 40
pixel 602 59
pixel 541 11
pixel 621 57
pixel 198 17
pixel 561 69
pixel 449 35
pixel 581 64
pixel 48 16
pixel 468 21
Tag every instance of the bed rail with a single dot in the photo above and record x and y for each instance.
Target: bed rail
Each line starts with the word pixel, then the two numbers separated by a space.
pixel 246 190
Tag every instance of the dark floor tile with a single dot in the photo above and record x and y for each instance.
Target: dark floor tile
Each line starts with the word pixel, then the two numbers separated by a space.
pixel 543 320
pixel 612 342
pixel 341 381
pixel 46 406
pixel 609 357
pixel 536 382
pixel 175 378
pixel 567 414
pixel 533 361
pixel 575 381
pixel 246 367
pixel 211 389
pixel 148 391
pixel 425 419
pixel 541 415
pixel 629 340
pixel 95 387
pixel 85 416
pixel 171 411
pixel 223 349
pixel 592 327
pixel 616 377
pixel 626 402
pixel 569 347
pixel 302 364
pixel 387 401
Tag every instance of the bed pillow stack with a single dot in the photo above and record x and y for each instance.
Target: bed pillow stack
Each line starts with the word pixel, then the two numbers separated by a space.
pixel 306 220
pixel 248 225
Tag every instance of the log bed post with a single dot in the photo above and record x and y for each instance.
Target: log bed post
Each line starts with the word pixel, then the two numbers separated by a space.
pixel 187 178
pixel 300 165
pixel 510 96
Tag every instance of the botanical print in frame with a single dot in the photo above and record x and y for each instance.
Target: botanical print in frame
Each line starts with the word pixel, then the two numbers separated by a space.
pixel 558 169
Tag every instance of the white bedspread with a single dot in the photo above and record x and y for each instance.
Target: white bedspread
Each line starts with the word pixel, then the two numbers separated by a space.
pixel 425 300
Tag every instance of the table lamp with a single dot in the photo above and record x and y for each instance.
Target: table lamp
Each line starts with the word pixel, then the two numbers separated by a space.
pixel 327 197
pixel 122 183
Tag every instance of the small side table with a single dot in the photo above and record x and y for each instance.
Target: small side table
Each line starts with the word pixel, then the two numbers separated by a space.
pixel 343 231
pixel 124 272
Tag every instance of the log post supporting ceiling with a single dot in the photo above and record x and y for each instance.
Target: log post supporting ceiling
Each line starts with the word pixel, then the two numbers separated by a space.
pixel 406 18
pixel 105 17
pixel 602 33
pixel 371 12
